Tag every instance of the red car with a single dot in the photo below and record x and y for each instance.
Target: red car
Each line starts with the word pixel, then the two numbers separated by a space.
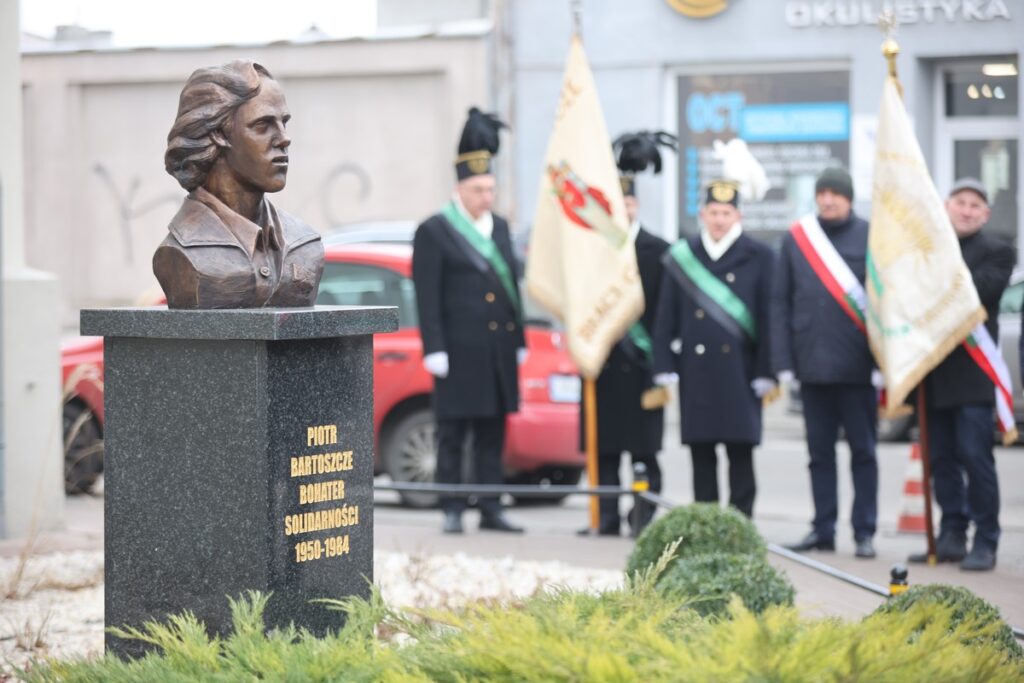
pixel 542 438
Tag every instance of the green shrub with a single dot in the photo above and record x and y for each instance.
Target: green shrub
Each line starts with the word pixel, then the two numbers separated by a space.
pixel 964 606
pixel 627 635
pixel 704 528
pixel 711 581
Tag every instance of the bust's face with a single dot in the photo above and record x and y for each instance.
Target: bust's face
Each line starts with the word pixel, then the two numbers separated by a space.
pixel 258 144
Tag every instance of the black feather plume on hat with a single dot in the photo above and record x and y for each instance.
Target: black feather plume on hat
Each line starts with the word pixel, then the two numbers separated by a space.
pixel 479 142
pixel 637 151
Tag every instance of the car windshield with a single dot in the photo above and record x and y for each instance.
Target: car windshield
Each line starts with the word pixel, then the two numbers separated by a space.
pixel 354 284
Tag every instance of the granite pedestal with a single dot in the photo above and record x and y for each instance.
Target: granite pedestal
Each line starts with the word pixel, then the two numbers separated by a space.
pixel 238 456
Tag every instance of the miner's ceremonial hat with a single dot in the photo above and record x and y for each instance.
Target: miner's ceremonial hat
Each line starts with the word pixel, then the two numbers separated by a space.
pixel 636 151
pixel 478 144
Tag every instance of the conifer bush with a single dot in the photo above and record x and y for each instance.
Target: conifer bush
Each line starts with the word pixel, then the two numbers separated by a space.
pixel 704 528
pixel 633 634
pixel 964 606
pixel 711 580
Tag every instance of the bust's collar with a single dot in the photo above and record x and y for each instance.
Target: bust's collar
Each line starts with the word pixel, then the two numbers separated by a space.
pixel 204 220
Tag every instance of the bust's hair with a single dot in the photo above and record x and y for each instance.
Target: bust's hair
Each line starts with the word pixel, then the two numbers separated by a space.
pixel 207 103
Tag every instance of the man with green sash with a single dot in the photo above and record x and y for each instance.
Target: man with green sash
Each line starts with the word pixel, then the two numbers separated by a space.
pixel 714 304
pixel 470 317
pixel 630 416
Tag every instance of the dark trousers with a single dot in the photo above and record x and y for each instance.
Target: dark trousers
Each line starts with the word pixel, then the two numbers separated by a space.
pixel 854 406
pixel 742 488
pixel 488 440
pixel 608 475
pixel 960 443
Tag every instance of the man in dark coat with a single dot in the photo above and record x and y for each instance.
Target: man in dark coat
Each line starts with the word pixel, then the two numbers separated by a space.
pixel 715 299
pixel 960 398
pixel 624 423
pixel 471 322
pixel 817 341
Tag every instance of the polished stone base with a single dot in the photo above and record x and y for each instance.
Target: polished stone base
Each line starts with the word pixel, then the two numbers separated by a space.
pixel 239 456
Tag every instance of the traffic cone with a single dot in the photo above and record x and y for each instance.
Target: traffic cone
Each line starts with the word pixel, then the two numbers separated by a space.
pixel 912 508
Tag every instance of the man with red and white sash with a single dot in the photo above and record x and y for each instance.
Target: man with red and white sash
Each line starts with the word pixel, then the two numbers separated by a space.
pixel 715 300
pixel 962 398
pixel 819 343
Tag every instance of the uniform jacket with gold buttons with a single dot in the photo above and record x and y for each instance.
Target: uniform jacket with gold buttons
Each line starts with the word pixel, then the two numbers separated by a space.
pixel 465 311
pixel 715 368
pixel 204 264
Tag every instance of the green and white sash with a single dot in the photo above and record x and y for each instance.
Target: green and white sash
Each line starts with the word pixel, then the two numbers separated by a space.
pixel 711 294
pixel 486 248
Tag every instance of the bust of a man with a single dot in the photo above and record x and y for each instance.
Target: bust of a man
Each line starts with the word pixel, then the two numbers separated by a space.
pixel 228 247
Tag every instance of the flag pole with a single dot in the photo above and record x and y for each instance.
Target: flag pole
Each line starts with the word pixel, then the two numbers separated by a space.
pixel 589 385
pixel 590 433
pixel 890 49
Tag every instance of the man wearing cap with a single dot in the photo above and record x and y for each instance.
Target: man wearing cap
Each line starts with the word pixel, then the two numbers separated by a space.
pixel 960 399
pixel 715 299
pixel 470 317
pixel 819 340
pixel 629 415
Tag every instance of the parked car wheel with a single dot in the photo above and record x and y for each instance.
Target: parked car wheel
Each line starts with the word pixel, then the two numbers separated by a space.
pixel 83 448
pixel 548 476
pixel 410 455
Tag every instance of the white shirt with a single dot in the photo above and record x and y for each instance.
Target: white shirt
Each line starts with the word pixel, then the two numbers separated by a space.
pixel 716 249
pixel 484 225
pixel 634 230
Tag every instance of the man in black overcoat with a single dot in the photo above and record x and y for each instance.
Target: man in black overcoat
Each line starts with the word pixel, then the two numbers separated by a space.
pixel 817 343
pixel 470 317
pixel 960 401
pixel 715 300
pixel 624 424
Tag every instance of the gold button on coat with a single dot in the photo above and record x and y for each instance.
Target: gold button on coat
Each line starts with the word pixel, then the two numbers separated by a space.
pixel 510 327
pixel 699 313
pixel 699 348
pixel 489 297
pixel 492 326
pixel 729 277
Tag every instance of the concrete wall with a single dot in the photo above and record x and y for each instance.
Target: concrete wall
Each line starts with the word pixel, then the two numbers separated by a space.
pixel 638 49
pixel 375 126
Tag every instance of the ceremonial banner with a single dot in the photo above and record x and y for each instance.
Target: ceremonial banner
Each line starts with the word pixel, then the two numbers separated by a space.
pixel 921 300
pixel 582 263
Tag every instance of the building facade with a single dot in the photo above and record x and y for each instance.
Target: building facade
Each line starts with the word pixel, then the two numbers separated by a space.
pixel 799 80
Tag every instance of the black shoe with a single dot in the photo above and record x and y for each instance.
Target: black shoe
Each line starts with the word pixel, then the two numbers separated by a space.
pixel 951 546
pixel 865 549
pixel 498 522
pixel 452 522
pixel 813 541
pixel 982 558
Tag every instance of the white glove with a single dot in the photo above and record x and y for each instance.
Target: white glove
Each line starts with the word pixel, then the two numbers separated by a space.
pixel 762 385
pixel 786 377
pixel 436 363
pixel 521 354
pixel 664 379
pixel 877 379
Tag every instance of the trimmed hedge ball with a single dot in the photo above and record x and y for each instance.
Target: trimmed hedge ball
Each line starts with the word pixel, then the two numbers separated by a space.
pixel 965 604
pixel 711 581
pixel 704 528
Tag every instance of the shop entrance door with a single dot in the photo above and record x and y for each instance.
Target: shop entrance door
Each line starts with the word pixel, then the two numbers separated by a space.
pixel 978 135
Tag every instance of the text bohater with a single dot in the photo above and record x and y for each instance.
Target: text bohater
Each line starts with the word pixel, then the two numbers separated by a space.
pixel 321 520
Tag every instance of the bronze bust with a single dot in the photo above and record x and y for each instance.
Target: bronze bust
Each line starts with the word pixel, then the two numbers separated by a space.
pixel 228 247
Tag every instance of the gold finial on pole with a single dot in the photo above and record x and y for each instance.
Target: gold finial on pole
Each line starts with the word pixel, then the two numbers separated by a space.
pixel 887 23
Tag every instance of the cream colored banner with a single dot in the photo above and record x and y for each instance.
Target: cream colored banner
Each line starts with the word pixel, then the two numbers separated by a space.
pixel 582 264
pixel 921 299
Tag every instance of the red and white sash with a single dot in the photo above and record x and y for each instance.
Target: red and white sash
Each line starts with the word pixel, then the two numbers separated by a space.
pixel 831 269
pixel 983 350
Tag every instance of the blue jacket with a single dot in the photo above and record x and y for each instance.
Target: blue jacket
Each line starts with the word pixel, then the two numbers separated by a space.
pixel 811 334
